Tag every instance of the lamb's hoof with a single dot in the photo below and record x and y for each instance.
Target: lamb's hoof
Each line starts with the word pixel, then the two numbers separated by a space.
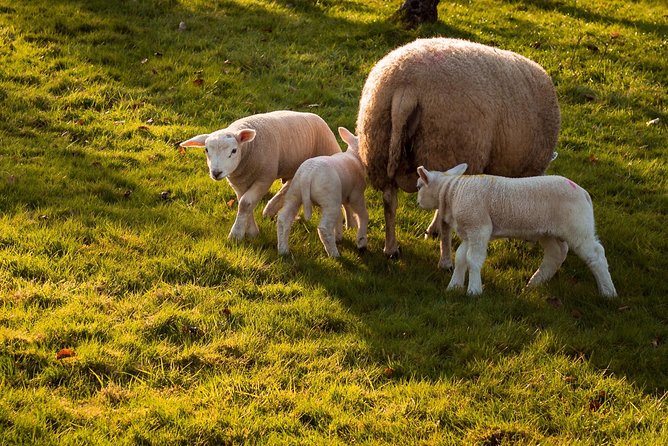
pixel 362 250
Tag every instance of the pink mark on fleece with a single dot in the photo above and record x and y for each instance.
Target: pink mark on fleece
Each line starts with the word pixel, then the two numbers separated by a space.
pixel 573 185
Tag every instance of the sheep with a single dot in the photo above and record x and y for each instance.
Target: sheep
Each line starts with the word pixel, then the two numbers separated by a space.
pixel 254 151
pixel 329 181
pixel 552 210
pixel 439 102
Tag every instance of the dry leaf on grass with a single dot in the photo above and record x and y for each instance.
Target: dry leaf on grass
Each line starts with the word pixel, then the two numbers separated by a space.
pixel 65 353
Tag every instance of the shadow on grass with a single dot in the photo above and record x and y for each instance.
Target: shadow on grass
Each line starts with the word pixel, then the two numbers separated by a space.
pixel 572 10
pixel 421 331
pixel 413 326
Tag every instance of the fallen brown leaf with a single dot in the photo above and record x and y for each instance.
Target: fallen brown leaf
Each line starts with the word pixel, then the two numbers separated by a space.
pixel 65 353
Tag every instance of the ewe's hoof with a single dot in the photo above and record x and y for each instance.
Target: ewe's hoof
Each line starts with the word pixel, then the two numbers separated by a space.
pixel 394 255
pixel 430 234
pixel 362 250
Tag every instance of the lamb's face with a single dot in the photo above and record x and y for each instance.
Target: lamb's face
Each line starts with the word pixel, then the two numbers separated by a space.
pixel 222 155
pixel 223 151
pixel 427 195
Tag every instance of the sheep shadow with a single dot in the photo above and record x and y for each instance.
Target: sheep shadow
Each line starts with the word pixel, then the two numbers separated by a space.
pixel 410 323
pixel 419 330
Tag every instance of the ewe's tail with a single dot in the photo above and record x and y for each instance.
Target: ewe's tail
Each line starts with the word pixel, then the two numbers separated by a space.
pixel 306 202
pixel 405 115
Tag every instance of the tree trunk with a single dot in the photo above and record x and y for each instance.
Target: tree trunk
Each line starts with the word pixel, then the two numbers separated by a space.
pixel 414 12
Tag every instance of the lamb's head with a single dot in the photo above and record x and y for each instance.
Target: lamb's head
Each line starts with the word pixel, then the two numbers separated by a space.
pixel 429 184
pixel 223 150
pixel 352 140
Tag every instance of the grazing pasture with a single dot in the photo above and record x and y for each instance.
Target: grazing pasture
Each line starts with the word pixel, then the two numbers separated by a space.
pixel 128 317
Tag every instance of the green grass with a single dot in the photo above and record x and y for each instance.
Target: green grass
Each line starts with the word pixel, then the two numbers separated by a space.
pixel 114 245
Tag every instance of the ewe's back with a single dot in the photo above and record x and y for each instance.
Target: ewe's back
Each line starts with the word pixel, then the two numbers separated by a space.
pixel 493 109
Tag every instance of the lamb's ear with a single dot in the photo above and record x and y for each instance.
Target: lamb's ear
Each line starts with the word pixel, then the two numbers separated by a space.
pixel 458 169
pixel 197 141
pixel 348 137
pixel 245 135
pixel 424 174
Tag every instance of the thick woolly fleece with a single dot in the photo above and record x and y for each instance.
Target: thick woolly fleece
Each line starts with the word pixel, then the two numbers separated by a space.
pixel 440 102
pixel 254 151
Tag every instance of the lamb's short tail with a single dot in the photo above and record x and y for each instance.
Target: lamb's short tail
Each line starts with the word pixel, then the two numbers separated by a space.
pixel 306 202
pixel 405 115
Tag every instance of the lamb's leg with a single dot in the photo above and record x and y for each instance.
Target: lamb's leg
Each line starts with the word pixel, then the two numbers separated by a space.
pixel 592 252
pixel 339 227
pixel 459 274
pixel 351 222
pixel 434 227
pixel 475 257
pixel 327 229
pixel 445 262
pixel 244 224
pixel 554 254
pixel 391 248
pixel 362 216
pixel 286 218
pixel 276 202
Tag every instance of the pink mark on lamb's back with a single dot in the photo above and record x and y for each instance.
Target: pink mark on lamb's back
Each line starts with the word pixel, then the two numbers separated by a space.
pixel 573 185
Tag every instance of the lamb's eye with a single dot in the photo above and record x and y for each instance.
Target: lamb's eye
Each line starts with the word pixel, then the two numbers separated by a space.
pixel 234 151
pixel 419 186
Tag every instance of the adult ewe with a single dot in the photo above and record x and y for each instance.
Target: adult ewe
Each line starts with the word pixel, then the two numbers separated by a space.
pixel 441 102
pixel 253 152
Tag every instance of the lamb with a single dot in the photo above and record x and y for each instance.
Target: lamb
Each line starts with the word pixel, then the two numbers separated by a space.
pixel 329 181
pixel 254 151
pixel 551 210
pixel 440 102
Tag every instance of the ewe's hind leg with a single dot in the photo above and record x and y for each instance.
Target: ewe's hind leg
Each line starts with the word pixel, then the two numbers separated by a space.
pixel 331 217
pixel 286 218
pixel 554 254
pixel 592 252
pixel 459 274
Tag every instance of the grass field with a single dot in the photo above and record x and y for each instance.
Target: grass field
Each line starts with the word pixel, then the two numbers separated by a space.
pixel 127 317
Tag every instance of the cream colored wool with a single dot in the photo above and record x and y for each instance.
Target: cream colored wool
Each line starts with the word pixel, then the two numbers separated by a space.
pixel 329 181
pixel 551 210
pixel 255 151
pixel 440 102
